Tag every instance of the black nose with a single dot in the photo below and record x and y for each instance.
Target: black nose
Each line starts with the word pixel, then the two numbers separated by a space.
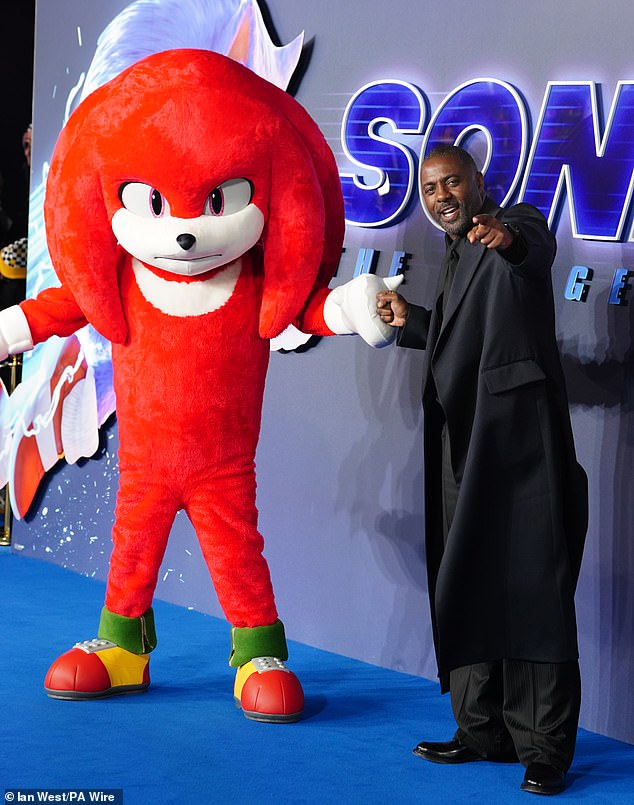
pixel 186 241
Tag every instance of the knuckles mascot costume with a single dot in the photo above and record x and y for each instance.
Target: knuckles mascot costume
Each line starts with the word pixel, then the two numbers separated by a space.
pixel 193 212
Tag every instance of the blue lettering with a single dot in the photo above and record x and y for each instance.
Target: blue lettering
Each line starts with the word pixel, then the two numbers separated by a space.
pixel 578 284
pixel 495 110
pixel 573 154
pixel 399 263
pixel 620 286
pixel 383 193
pixel 366 262
pixel 570 153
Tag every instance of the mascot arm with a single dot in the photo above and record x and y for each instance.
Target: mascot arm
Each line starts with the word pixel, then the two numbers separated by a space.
pixel 53 312
pixel 350 309
pixel 311 319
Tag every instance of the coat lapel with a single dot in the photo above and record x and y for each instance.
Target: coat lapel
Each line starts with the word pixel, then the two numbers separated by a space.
pixel 470 258
pixel 466 268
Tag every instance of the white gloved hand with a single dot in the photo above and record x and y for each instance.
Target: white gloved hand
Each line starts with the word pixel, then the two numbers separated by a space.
pixel 15 333
pixel 4 347
pixel 350 309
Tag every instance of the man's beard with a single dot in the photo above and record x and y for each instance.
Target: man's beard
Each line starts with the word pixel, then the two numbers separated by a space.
pixel 467 208
pixel 459 227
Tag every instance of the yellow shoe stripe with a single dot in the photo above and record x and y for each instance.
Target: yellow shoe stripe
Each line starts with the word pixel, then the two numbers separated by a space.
pixel 124 668
pixel 242 674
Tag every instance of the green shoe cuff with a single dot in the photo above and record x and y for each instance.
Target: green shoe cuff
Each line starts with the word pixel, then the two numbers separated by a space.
pixel 137 635
pixel 257 641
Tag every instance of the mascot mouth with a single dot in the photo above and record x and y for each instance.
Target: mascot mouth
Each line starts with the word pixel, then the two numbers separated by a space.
pixel 188 258
pixel 194 298
pixel 187 265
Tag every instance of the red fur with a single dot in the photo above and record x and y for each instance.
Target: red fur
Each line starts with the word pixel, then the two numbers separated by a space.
pixel 189 389
pixel 187 120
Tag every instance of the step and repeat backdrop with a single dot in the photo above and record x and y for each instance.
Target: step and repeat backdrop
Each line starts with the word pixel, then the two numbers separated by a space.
pixel 544 98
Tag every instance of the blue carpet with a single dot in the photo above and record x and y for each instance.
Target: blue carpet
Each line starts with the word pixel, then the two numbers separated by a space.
pixel 184 742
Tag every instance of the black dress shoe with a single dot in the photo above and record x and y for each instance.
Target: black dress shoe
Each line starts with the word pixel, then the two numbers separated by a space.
pixel 543 779
pixel 446 752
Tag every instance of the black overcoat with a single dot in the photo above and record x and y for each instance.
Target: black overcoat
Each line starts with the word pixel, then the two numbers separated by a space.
pixel 502 587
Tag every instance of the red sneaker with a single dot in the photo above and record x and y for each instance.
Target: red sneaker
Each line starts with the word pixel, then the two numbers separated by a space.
pixel 266 690
pixel 95 669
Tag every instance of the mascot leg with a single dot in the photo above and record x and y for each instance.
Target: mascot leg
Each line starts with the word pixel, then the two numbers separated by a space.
pixel 117 661
pixel 225 518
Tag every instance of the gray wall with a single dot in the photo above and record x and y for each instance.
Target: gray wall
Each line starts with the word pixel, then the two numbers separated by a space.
pixel 339 464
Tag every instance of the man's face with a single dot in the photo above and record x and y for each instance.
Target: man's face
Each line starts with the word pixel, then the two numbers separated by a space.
pixel 453 193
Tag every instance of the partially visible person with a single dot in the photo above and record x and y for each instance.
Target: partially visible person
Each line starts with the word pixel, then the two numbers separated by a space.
pixel 6 222
pixel 506 500
pixel 13 273
pixel 13 258
pixel 27 138
pixel 14 197
pixel 13 255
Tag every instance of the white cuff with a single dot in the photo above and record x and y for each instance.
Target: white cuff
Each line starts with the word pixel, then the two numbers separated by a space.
pixel 333 313
pixel 15 333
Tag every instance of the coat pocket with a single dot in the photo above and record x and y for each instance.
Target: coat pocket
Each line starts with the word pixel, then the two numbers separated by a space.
pixel 510 376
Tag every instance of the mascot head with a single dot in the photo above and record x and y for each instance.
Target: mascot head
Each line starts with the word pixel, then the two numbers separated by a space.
pixel 187 160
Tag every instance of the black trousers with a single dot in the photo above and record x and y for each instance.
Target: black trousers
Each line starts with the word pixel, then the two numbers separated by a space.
pixel 511 708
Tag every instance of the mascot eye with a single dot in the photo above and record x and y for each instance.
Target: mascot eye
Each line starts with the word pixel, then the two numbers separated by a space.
pixel 143 200
pixel 229 197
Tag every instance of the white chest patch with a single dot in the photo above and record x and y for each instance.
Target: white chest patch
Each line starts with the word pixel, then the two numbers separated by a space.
pixel 176 298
